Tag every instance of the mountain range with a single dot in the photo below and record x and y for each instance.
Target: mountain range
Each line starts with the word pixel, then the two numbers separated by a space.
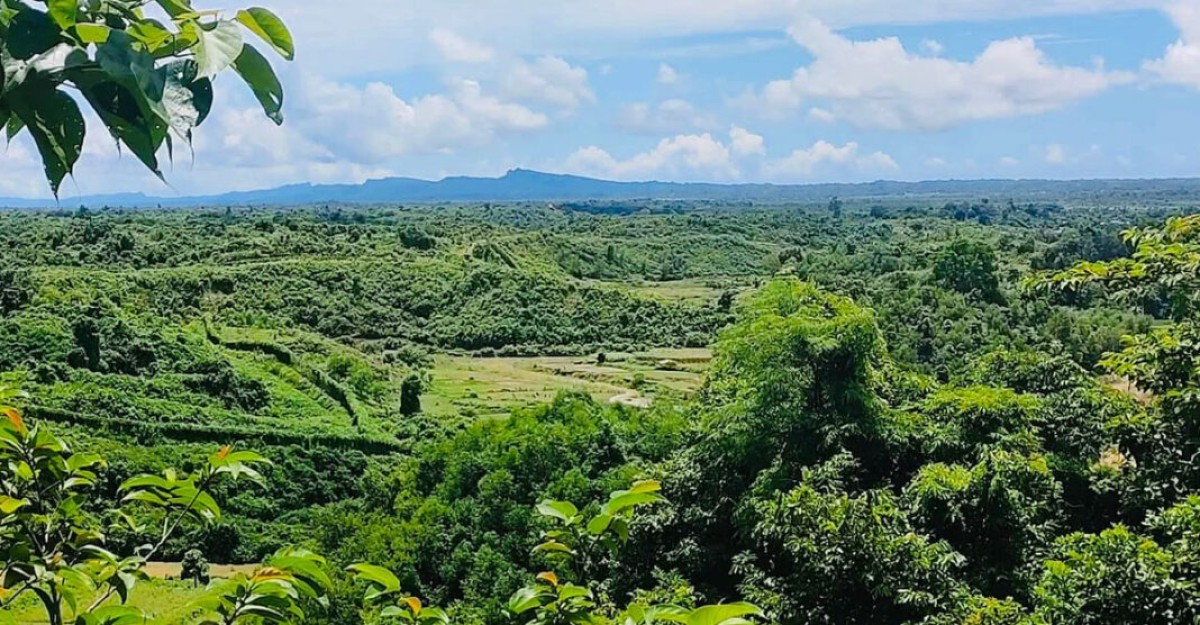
pixel 526 185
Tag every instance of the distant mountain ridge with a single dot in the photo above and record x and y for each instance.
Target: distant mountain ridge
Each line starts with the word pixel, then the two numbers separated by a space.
pixel 526 185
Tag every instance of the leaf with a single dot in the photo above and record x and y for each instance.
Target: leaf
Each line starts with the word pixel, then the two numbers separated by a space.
pixel 525 600
pixel 414 604
pixel 57 126
pixel 92 33
pixel 562 510
pixel 718 614
pixel 14 418
pixel 63 12
pixel 270 28
pixel 31 33
pixel 646 486
pixel 261 78
pixel 599 525
pixel 552 546
pixel 9 505
pixel 217 47
pixel 377 575
pixel 186 101
pixel 175 8
pixel 548 577
pixel 626 500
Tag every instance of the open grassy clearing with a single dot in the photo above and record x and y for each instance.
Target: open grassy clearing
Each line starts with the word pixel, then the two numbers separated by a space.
pixel 494 386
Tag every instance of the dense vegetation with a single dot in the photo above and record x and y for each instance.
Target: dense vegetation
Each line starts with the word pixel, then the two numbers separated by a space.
pixel 916 411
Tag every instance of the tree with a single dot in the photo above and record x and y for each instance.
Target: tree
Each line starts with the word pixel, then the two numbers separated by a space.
pixel 149 82
pixel 578 543
pixel 968 267
pixel 835 207
pixel 410 395
pixel 195 567
pixel 51 543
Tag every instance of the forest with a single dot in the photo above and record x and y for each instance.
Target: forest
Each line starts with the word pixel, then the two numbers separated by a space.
pixel 880 410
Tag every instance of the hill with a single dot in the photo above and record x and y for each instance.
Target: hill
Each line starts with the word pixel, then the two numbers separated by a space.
pixel 526 185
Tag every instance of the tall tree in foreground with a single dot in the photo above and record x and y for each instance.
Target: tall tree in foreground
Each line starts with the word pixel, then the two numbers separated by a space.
pixel 148 80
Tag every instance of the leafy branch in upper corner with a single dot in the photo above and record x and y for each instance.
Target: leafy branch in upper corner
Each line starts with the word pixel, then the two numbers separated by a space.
pixel 53 546
pixel 577 544
pixel 148 80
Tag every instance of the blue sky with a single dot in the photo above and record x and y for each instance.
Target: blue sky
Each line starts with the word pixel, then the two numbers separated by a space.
pixel 752 90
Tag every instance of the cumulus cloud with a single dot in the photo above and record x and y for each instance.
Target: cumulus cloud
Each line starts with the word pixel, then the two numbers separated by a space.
pixel 744 143
pixel 667 117
pixel 667 75
pixel 372 123
pixel 683 156
pixel 454 48
pixel 880 84
pixel 1054 154
pixel 742 156
pixel 1181 63
pixel 549 80
pixel 803 163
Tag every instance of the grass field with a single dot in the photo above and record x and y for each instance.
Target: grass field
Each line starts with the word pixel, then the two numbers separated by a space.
pixel 494 386
pixel 699 290
pixel 165 601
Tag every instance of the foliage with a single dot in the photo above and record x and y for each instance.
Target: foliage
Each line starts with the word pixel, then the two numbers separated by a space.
pixel 149 81
pixel 53 545
pixel 968 267
pixel 273 594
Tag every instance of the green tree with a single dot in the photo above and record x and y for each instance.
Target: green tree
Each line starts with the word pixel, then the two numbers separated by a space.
pixel 410 395
pixel 148 81
pixel 968 267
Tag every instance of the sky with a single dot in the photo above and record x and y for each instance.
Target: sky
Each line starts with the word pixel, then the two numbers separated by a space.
pixel 785 91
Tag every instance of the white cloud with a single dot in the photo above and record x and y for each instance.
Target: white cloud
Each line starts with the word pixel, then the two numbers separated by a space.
pixel 699 157
pixel 668 117
pixel 819 114
pixel 1181 63
pixel 1054 154
pixel 935 161
pixel 667 75
pixel 803 163
pixel 351 44
pixel 879 84
pixel 744 143
pixel 932 46
pixel 372 124
pixel 454 48
pixel 549 80
pixel 1008 161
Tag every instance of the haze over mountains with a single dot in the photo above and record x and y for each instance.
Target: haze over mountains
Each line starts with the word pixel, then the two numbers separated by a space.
pixel 527 185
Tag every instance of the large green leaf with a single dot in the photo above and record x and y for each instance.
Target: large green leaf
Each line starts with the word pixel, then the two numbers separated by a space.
pixel 57 126
pixel 270 28
pixel 718 614
pixel 562 510
pixel 258 74
pixel 63 12
pixel 186 100
pixel 176 8
pixel 385 580
pixel 622 501
pixel 217 47
pixel 31 33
